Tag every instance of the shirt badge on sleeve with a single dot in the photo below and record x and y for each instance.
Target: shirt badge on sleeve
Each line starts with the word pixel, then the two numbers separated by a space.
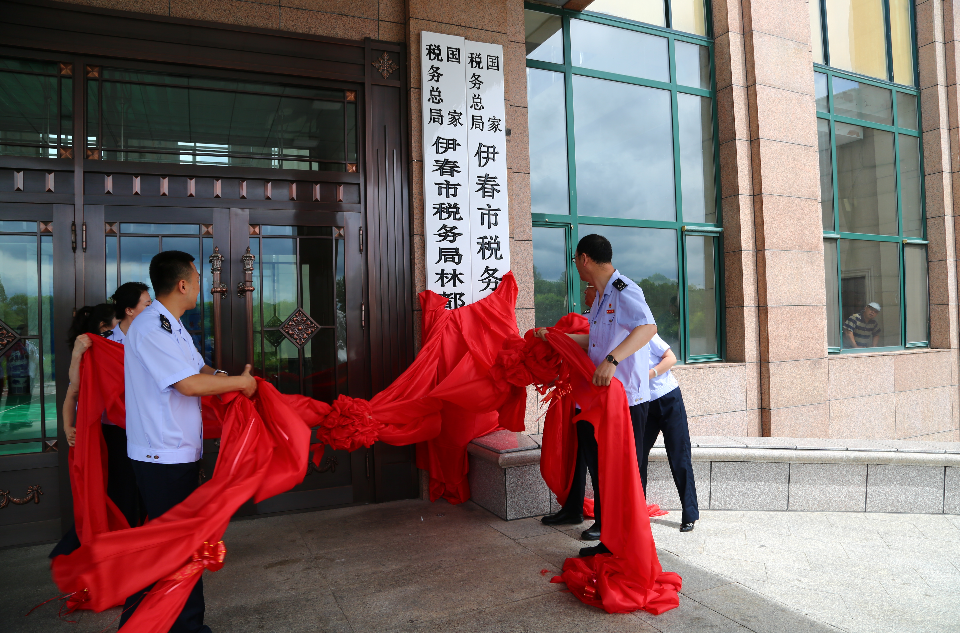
pixel 165 324
pixel 619 284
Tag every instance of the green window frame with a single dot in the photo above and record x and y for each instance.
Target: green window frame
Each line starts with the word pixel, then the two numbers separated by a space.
pixel 576 225
pixel 832 237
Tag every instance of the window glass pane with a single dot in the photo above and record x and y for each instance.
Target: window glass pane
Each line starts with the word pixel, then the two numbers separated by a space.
pixel 544 36
pixel 696 158
pixel 320 366
pixel 701 295
pixel 135 256
pixel 48 388
pixel 820 87
pixel 20 416
pixel 901 42
pixel 911 203
pixel 154 229
pixel 870 273
pixel 866 180
pixel 343 383
pixel 18 283
pixel 548 142
pixel 816 31
pixel 833 292
pixel 618 50
pixel 826 174
pixel 648 11
pixel 193 125
pixel 624 150
pixel 916 293
pixel 549 274
pixel 14 226
pixel 649 258
pixel 279 269
pixel 29 119
pixel 688 16
pixel 693 65
pixel 317 279
pixel 111 256
pixel 862 101
pixel 856 36
pixel 907 111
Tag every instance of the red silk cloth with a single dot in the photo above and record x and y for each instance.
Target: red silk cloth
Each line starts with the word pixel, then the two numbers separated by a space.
pixel 468 379
pixel 630 577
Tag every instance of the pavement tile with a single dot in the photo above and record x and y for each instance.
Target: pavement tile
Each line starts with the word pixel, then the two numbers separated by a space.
pixel 695 578
pixel 757 612
pixel 691 616
pixel 520 528
pixel 553 548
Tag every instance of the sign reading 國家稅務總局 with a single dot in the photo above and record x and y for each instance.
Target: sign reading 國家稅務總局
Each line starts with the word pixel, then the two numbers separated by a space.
pixel 466 227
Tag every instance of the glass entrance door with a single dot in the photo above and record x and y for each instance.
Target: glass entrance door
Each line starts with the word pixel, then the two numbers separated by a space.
pixel 303 282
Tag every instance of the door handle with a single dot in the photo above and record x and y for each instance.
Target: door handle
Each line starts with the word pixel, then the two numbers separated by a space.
pixel 245 288
pixel 219 288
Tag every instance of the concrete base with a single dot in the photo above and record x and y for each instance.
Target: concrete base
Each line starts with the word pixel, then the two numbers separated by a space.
pixel 786 474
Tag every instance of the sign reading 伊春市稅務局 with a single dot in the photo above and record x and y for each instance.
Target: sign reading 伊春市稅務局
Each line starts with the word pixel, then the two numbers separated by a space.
pixel 466 226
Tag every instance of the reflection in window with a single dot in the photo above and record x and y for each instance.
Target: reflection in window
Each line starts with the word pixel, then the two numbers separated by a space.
pixel 647 11
pixel 907 111
pixel 549 274
pixel 624 150
pixel 856 35
pixel 870 274
pixel 862 101
pixel 693 65
pixel 866 180
pixel 697 185
pixel 688 16
pixel 916 292
pixel 141 116
pixel 901 42
pixel 649 258
pixel 620 51
pixel 830 272
pixel 548 145
pixel 544 36
pixel 826 173
pixel 701 295
pixel 820 90
pixel 911 203
pixel 35 109
pixel 816 31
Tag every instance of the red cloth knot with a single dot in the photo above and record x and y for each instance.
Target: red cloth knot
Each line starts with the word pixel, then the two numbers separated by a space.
pixel 349 425
pixel 208 556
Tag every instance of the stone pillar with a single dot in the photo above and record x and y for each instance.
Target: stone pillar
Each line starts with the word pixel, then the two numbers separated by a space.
pixel 787 220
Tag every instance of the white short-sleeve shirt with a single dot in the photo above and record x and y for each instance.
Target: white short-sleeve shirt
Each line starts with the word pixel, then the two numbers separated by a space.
pixel 664 383
pixel 163 425
pixel 117 336
pixel 614 314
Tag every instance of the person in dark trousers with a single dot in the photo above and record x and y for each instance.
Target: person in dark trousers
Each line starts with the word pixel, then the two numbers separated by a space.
pixel 668 415
pixel 621 326
pixel 164 377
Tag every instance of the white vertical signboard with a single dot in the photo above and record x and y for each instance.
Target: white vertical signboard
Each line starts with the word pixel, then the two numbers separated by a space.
pixel 487 149
pixel 445 171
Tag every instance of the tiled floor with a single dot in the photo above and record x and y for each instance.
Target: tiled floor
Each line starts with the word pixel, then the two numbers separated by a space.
pixel 416 566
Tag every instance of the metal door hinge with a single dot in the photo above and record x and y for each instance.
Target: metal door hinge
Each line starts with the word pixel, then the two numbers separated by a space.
pixel 363 315
pixel 369 469
pixel 83 239
pixel 361 239
pixel 73 236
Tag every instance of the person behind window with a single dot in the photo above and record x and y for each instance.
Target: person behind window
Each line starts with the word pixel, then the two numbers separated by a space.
pixel 863 329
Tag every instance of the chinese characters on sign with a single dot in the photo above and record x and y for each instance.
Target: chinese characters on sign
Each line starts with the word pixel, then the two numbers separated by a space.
pixel 465 171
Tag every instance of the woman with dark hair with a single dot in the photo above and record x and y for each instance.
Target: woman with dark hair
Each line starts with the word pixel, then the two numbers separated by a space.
pixel 111 321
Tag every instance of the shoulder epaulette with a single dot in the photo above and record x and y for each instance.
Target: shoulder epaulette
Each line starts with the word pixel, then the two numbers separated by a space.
pixel 619 284
pixel 165 323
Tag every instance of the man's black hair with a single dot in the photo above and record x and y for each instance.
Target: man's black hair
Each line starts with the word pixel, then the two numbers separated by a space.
pixel 596 247
pixel 128 296
pixel 168 268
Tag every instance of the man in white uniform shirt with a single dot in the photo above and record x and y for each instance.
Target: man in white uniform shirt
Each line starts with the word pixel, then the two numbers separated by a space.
pixel 164 377
pixel 621 326
pixel 668 414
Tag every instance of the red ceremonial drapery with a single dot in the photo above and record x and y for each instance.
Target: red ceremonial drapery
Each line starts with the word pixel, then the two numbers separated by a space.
pixel 463 383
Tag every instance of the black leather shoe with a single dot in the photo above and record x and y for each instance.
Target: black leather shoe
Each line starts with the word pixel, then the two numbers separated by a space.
pixel 592 533
pixel 599 548
pixel 563 518
pixel 687 527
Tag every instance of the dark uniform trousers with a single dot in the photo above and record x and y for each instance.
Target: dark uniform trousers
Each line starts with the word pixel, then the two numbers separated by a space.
pixel 669 416
pixel 588 460
pixel 163 486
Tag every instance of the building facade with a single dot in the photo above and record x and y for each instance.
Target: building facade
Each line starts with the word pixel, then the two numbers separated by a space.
pixel 765 169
